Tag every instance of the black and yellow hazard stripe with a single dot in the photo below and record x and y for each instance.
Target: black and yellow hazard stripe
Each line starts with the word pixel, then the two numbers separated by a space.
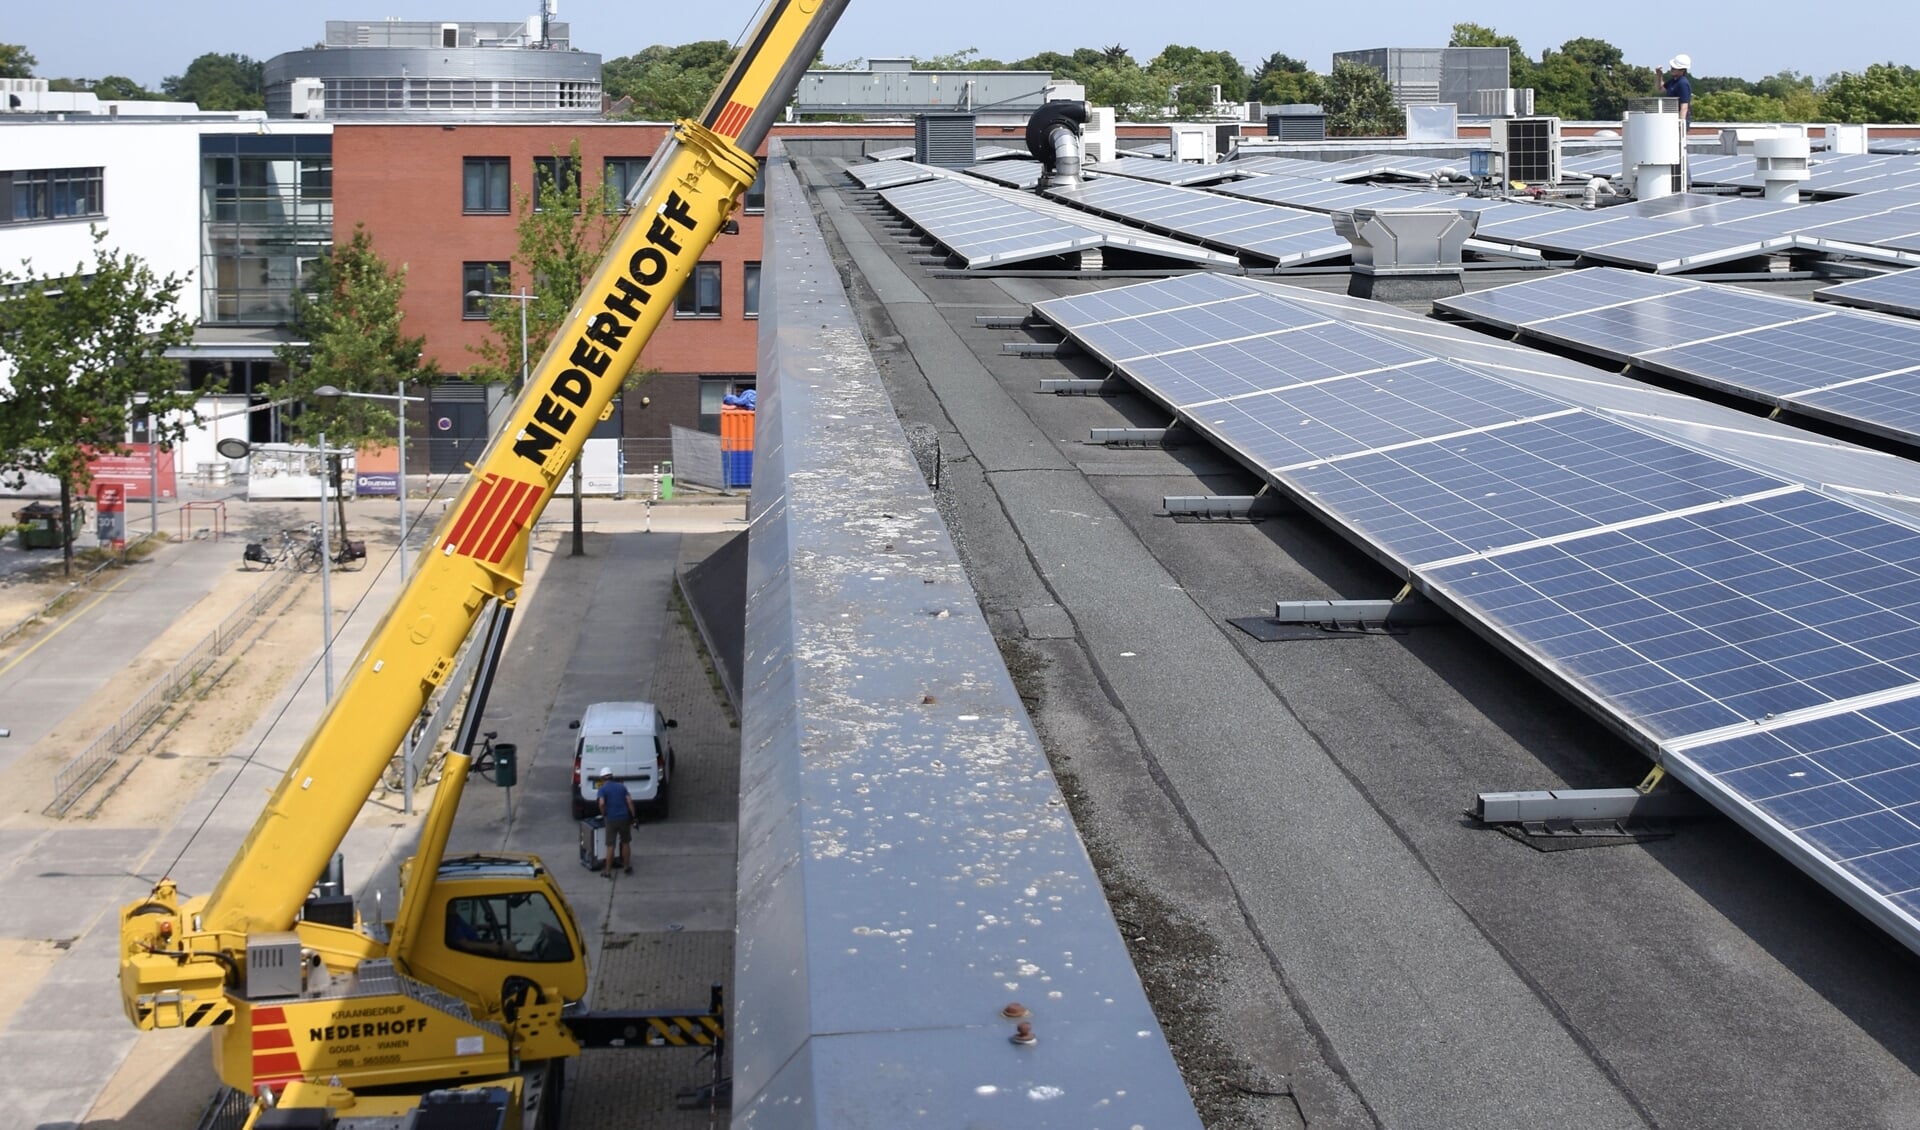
pixel 700 1030
pixel 210 1014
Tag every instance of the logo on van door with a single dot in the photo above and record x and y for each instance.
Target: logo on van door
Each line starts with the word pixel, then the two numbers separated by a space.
pixel 492 518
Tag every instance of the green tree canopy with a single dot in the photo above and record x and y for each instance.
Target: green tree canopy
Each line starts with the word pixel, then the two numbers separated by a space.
pixel 1359 103
pixel 1283 80
pixel 1196 72
pixel 16 61
pixel 1519 65
pixel 1134 93
pixel 347 324
pixel 220 82
pixel 1075 67
pixel 966 59
pixel 87 350
pixel 1884 92
pixel 115 88
pixel 668 83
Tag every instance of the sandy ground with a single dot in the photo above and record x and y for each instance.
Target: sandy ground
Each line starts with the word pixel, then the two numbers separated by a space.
pixel 167 1079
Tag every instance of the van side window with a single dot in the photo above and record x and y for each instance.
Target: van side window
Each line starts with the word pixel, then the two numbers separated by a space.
pixel 520 926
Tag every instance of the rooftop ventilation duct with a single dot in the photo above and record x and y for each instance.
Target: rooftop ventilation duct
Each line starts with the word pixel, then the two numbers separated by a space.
pixel 1650 151
pixel 1053 137
pixel 1780 161
pixel 1402 254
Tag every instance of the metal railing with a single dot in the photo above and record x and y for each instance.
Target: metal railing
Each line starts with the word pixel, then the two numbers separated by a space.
pixel 89 764
pixel 228 1110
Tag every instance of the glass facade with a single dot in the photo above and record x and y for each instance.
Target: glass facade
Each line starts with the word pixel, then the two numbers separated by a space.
pixel 266 213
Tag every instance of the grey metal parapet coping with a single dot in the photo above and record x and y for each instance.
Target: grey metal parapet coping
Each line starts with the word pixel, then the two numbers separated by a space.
pixel 907 864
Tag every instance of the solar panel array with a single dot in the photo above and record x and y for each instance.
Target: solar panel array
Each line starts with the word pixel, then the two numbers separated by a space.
pixel 1164 172
pixel 1857 369
pixel 1762 636
pixel 891 172
pixel 1282 236
pixel 986 226
pixel 1897 292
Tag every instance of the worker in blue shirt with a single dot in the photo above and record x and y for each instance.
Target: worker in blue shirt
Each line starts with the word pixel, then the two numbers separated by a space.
pixel 1677 85
pixel 616 805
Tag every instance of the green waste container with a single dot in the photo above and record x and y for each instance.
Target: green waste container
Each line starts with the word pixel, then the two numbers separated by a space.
pixel 666 482
pixel 40 526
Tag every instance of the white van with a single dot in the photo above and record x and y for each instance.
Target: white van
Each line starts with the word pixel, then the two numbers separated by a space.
pixel 629 738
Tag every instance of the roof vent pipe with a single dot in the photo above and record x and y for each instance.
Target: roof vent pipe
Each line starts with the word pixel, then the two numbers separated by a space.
pixel 1780 161
pixel 1650 153
pixel 1053 137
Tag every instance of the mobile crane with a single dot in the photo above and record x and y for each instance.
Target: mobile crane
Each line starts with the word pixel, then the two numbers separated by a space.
pixel 475 991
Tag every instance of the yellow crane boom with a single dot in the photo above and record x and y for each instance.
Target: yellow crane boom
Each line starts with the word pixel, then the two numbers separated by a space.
pixel 181 956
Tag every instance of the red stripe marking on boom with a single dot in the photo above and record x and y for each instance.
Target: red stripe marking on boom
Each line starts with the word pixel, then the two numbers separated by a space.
pixel 515 508
pixel 479 513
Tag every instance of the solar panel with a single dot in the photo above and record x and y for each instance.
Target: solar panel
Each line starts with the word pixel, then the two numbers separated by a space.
pixel 887 174
pixel 1687 249
pixel 1542 478
pixel 1723 616
pixel 1686 596
pixel 1897 292
pixel 1282 236
pixel 1010 172
pixel 1163 172
pixel 1555 294
pixel 1316 418
pixel 1850 368
pixel 988 226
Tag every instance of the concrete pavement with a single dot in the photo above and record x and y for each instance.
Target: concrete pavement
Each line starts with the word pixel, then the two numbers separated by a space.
pixel 68 882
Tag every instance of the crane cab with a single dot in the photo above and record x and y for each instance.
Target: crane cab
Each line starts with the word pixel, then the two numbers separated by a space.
pixel 496 925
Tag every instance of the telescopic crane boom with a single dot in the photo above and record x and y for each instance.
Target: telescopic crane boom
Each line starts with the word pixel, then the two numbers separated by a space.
pixel 440 1010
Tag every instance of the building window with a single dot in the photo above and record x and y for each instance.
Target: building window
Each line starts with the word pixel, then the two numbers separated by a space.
pixel 266 215
pixel 560 172
pixel 699 296
pixel 486 188
pixel 55 194
pixel 477 280
pixel 622 174
pixel 713 397
pixel 756 198
pixel 751 309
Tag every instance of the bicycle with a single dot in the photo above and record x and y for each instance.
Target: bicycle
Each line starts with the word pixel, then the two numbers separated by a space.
pixel 483 757
pixel 291 553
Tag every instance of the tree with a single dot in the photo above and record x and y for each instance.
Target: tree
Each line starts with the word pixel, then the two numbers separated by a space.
pixel 1519 66
pixel 967 59
pixel 111 88
pixel 1075 67
pixel 346 333
pixel 16 61
pixel 1884 92
pixel 87 349
pixel 1135 94
pixel 220 82
pixel 1284 81
pixel 668 83
pixel 1359 103
pixel 1196 73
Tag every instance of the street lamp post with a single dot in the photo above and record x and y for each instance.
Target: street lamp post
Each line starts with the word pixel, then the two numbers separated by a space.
pixel 329 392
pixel 522 298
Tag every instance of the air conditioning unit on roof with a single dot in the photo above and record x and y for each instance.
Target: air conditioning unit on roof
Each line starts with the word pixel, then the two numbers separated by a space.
pixel 1530 148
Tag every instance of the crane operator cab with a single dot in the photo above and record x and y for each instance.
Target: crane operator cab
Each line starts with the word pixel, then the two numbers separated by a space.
pixel 495 921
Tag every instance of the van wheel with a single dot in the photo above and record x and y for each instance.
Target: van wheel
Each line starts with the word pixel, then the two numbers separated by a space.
pixel 662 803
pixel 582 810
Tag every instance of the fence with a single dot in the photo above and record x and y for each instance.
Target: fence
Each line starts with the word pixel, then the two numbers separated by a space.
pixel 229 1110
pixel 79 774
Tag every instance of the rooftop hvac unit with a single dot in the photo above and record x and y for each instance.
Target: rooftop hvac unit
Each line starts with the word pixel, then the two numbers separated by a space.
pixel 943 139
pixel 308 97
pixel 1299 122
pixel 1504 102
pixel 1530 148
pixel 1097 137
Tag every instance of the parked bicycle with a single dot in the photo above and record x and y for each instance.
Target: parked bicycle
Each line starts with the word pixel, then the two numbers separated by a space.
pixel 300 549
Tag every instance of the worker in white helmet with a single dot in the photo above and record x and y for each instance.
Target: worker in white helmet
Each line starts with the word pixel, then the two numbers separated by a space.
pixel 1677 84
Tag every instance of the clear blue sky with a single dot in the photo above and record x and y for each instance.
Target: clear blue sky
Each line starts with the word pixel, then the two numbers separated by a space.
pixel 147 40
